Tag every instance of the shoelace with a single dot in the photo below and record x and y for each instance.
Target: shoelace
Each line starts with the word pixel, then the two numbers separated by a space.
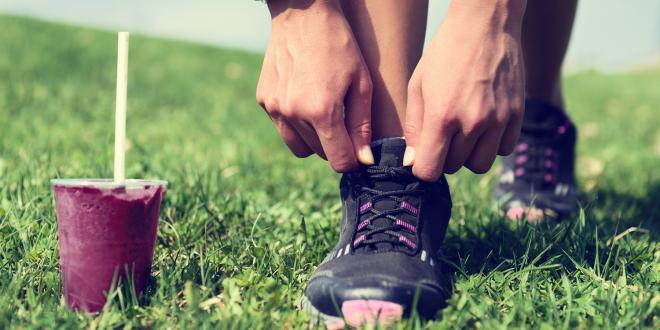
pixel 366 230
pixel 536 157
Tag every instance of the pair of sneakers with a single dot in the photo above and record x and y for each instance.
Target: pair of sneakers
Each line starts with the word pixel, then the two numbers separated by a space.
pixel 386 264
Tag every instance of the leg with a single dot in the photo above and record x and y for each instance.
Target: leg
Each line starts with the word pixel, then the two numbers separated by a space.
pixel 357 285
pixel 391 36
pixel 546 31
pixel 550 190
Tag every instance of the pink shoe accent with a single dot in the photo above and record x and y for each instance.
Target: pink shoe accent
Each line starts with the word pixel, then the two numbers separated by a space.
pixel 406 225
pixel 522 147
pixel 358 313
pixel 409 207
pixel 521 159
pixel 336 325
pixel 533 214
pixel 358 240
pixel 515 213
pixel 407 241
pixel 363 224
pixel 365 207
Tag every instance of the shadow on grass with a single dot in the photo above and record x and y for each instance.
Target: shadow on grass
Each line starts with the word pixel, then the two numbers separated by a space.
pixel 627 209
pixel 490 242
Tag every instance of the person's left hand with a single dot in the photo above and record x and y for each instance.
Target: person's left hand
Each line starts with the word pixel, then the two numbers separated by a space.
pixel 466 96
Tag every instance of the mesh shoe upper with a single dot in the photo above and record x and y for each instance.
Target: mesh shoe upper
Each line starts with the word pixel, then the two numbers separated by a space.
pixel 392 228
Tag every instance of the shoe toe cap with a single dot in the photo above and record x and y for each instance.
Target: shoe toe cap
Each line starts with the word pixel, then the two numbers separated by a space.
pixel 328 293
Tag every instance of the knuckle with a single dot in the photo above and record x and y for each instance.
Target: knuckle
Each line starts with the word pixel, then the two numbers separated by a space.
pixel 326 113
pixel 260 97
pixel 272 107
pixel 410 128
pixel 480 167
pixel 505 150
pixel 366 86
pixel 501 121
pixel 487 117
pixel 300 152
pixel 453 168
pixel 449 123
pixel 426 173
pixel 476 127
pixel 275 113
pixel 343 165
pixel 518 105
pixel 482 121
pixel 517 114
pixel 517 110
pixel 318 114
pixel 288 112
pixel 362 129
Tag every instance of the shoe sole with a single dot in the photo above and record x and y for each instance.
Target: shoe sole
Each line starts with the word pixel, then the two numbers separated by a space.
pixel 357 313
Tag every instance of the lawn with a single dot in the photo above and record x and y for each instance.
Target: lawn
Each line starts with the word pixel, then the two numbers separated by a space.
pixel 244 223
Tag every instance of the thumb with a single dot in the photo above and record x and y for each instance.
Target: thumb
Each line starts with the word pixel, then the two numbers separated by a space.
pixel 358 118
pixel 413 121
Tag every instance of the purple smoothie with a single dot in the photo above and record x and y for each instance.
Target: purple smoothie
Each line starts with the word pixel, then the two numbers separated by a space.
pixel 103 230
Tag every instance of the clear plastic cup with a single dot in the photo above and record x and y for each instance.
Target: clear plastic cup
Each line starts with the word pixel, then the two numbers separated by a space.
pixel 106 234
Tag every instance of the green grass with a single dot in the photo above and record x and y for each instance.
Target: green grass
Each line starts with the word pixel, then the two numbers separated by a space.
pixel 244 223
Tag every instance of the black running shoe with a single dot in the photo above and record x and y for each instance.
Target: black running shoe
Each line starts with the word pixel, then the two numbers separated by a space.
pixel 538 179
pixel 386 260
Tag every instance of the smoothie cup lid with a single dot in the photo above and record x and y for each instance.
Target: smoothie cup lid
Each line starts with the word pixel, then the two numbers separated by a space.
pixel 108 183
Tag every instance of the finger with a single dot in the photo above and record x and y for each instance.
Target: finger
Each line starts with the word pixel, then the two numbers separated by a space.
pixel 309 135
pixel 510 136
pixel 483 155
pixel 358 118
pixel 336 142
pixel 292 139
pixel 460 149
pixel 432 147
pixel 413 121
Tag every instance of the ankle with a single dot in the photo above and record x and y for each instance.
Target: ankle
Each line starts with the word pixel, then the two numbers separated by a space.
pixel 552 96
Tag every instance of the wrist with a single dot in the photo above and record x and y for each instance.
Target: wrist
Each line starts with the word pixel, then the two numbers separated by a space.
pixel 290 9
pixel 497 15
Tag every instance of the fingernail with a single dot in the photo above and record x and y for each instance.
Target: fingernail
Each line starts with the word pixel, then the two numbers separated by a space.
pixel 409 156
pixel 365 156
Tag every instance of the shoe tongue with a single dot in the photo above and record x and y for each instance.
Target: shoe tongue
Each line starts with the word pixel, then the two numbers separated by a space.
pixel 389 152
pixel 543 115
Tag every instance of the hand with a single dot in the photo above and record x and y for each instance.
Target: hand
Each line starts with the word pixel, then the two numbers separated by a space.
pixel 466 95
pixel 314 83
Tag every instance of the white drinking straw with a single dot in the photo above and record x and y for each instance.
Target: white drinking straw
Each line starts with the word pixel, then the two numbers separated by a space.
pixel 120 107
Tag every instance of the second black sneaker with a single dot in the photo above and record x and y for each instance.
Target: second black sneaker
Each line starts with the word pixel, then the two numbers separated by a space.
pixel 538 179
pixel 386 263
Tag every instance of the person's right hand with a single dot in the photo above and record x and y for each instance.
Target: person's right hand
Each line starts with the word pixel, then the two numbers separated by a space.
pixel 314 83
